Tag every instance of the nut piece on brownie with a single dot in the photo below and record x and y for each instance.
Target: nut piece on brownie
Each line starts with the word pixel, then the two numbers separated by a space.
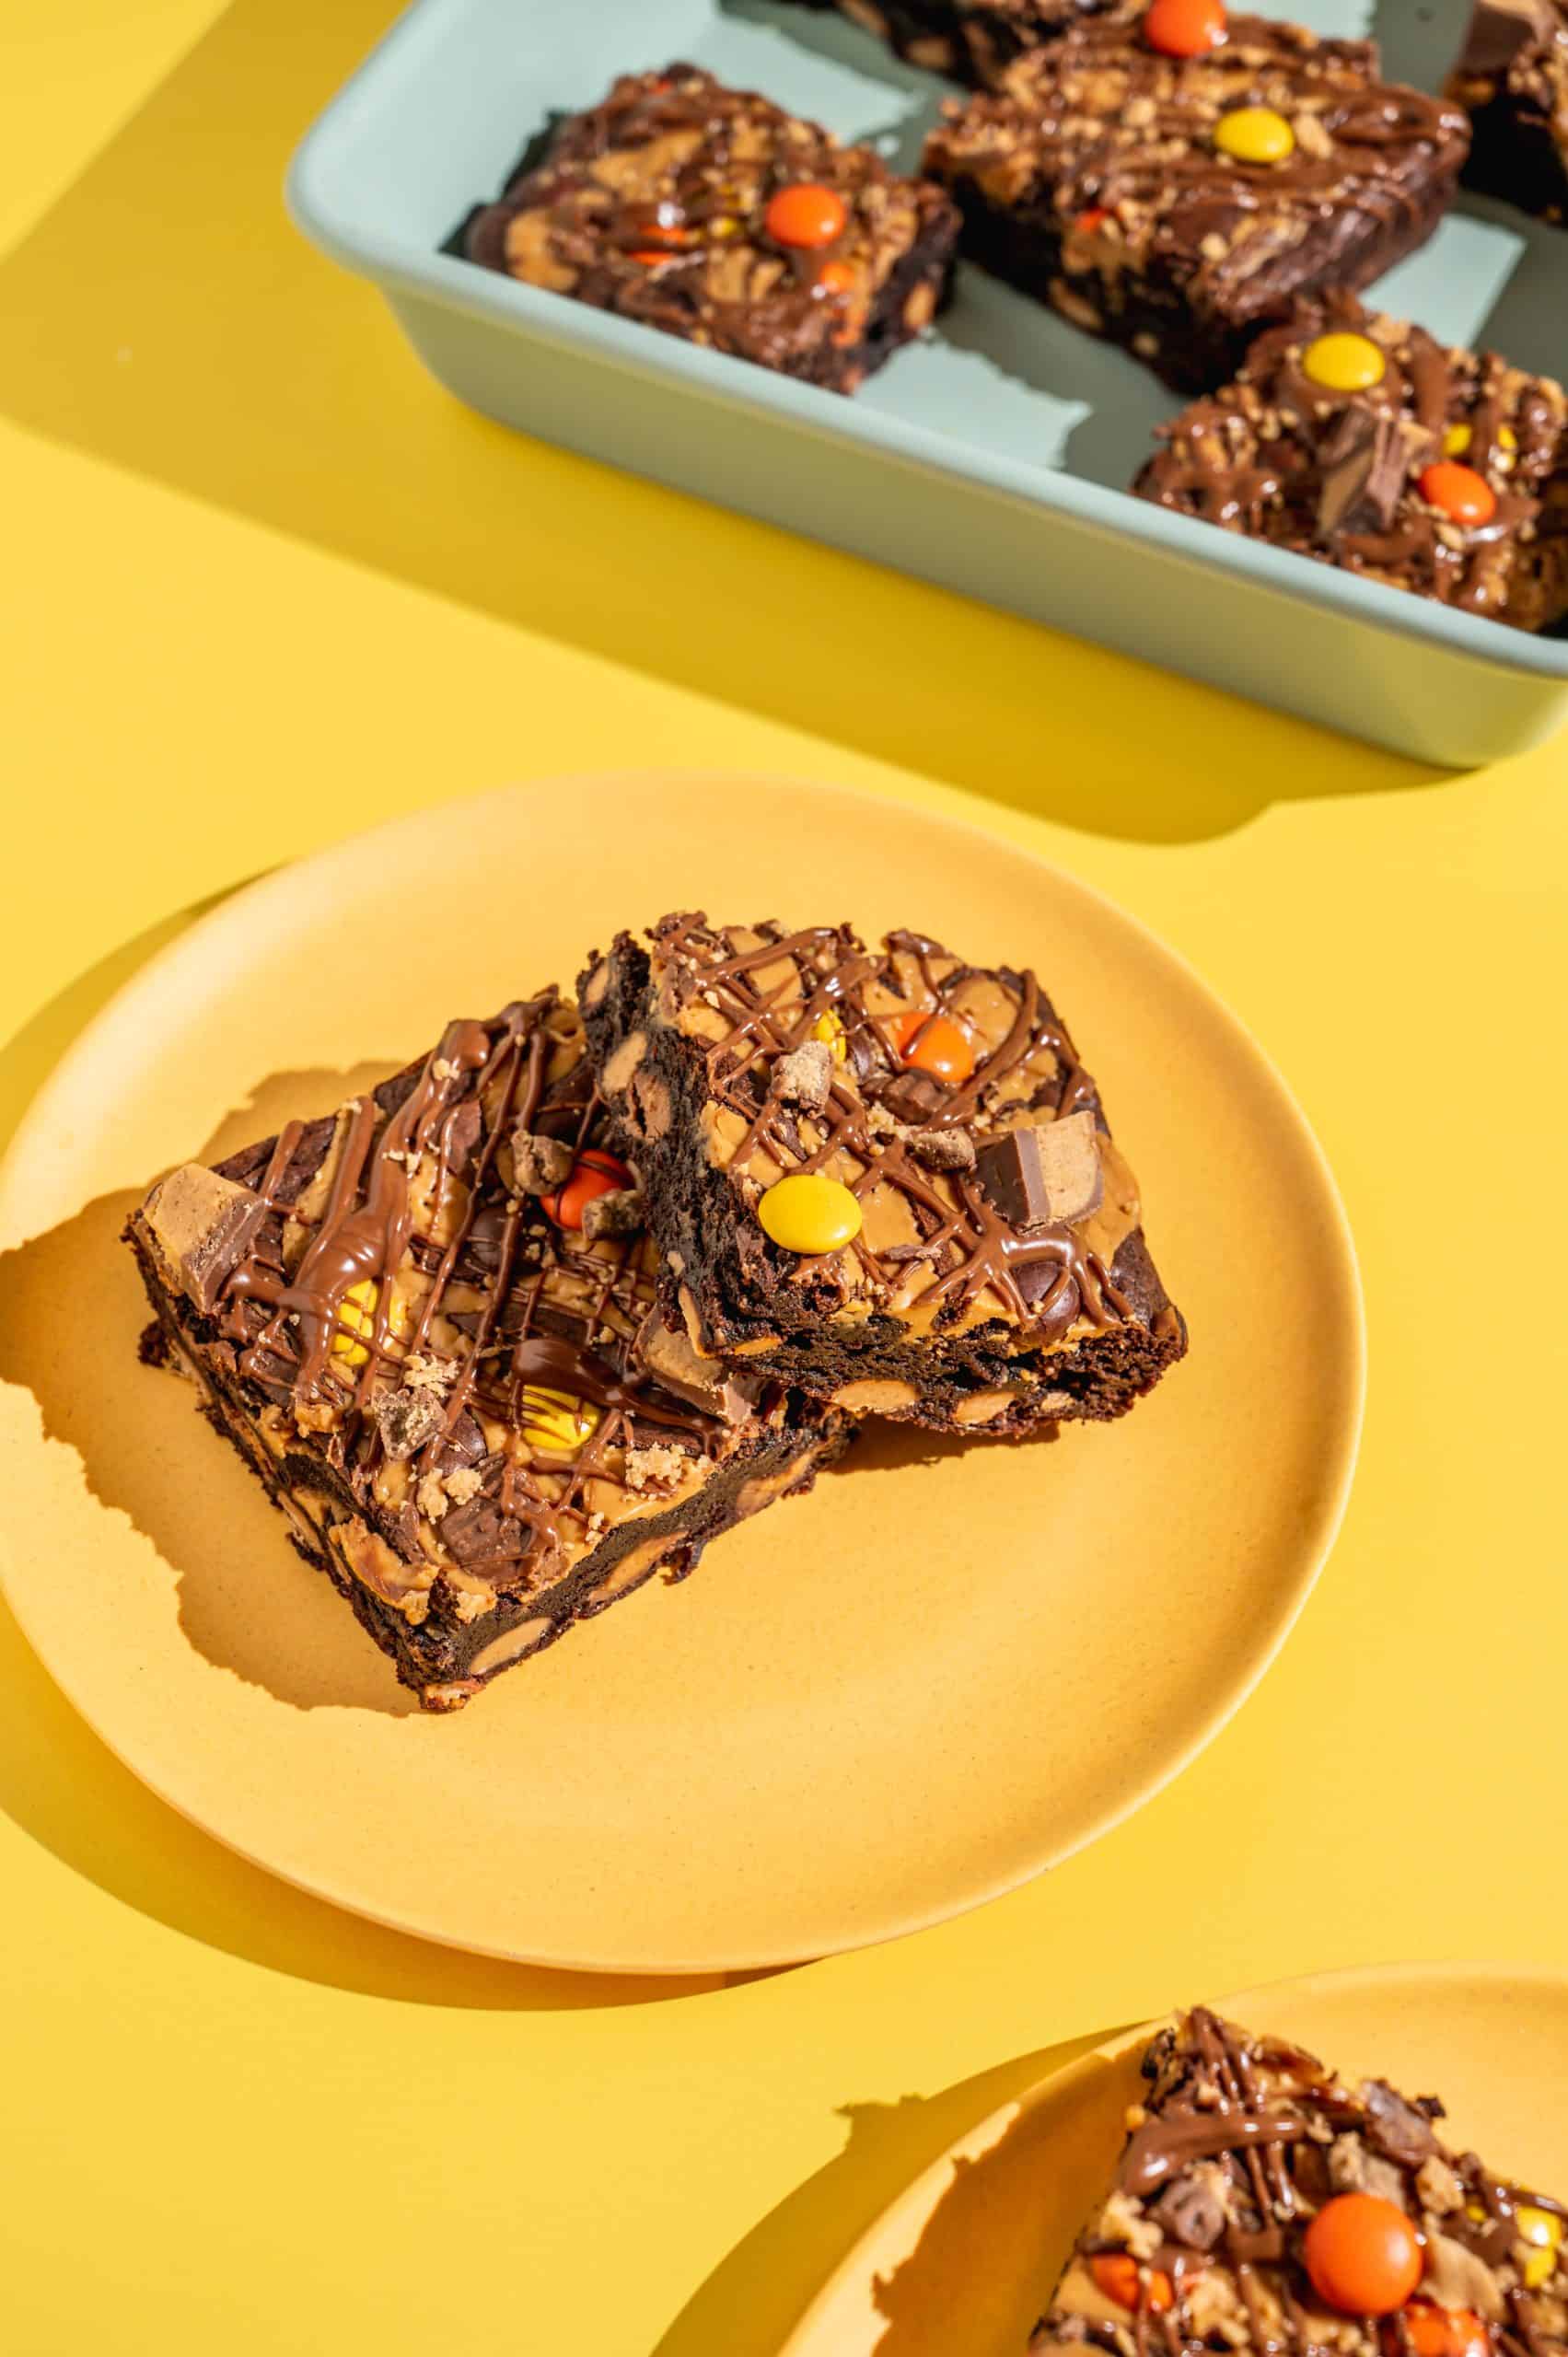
pixel 1360 441
pixel 1513 83
pixel 948 1234
pixel 714 214
pixel 461 1398
pixel 1262 2203
pixel 1176 203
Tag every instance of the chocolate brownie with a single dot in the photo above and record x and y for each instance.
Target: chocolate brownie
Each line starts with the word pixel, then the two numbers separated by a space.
pixel 427 1323
pixel 970 40
pixel 1513 83
pixel 1176 203
pixel 1262 2204
pixel 712 214
pixel 1358 440
pixel 882 1174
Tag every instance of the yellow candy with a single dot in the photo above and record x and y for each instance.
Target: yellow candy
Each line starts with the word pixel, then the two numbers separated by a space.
pixel 558 1422
pixel 356 1321
pixel 1345 363
pixel 1254 135
pixel 1458 440
pixel 1544 2233
pixel 829 1030
pixel 809 1213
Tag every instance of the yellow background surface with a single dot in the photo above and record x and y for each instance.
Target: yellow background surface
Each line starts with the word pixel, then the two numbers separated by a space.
pixel 265 583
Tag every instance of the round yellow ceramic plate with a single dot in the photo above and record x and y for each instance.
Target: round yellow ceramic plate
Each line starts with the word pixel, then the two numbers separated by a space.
pixel 870 1709
pixel 967 2258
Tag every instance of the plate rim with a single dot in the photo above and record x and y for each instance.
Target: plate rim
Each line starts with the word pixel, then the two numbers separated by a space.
pixel 318 867
pixel 988 2130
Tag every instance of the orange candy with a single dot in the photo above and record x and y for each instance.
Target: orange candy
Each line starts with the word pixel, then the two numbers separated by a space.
pixel 1363 2255
pixel 1444 2332
pixel 646 255
pixel 593 1173
pixel 1094 218
pixel 835 278
pixel 806 214
pixel 1464 496
pixel 1185 28
pixel 931 1043
pixel 1117 2274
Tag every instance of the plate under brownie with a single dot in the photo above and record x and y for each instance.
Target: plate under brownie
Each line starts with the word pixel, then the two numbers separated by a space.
pixel 967 2256
pixel 879 1654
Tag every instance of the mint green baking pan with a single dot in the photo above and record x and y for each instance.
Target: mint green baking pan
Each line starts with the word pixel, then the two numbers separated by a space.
pixel 994 457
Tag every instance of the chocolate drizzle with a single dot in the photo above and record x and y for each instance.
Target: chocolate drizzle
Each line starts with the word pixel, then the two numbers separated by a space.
pixel 1239 2142
pixel 1259 455
pixel 655 205
pixel 763 995
pixel 395 1253
pixel 1099 127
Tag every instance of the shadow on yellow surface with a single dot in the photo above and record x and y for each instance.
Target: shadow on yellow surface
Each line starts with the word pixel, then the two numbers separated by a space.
pixel 167 316
pixel 58 1782
pixel 753 2299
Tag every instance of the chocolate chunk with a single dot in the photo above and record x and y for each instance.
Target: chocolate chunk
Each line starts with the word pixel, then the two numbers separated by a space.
pixel 479 1532
pixel 805 1075
pixel 914 1096
pixel 1396 2128
pixel 665 1352
pixel 460 1135
pixel 1190 2212
pixel 1049 1172
pixel 406 1420
pixel 539 1163
pixel 617 1214
pixel 464 1445
pixel 1365 458
pixel 1499 30
pixel 946 1149
pixel 203 1226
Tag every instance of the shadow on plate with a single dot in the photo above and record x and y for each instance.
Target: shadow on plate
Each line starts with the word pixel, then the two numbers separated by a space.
pixel 70 1309
pixel 933 2302
pixel 204 345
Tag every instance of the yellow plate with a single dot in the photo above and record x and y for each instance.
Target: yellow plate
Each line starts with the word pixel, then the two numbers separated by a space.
pixel 943 1671
pixel 966 2259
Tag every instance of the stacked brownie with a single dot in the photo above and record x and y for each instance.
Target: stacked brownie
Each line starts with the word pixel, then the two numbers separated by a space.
pixel 540 1317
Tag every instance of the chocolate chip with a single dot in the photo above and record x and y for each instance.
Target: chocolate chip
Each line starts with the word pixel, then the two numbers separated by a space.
pixel 539 1163
pixel 914 1096
pixel 805 1075
pixel 617 1214
pixel 945 1149
pixel 1395 2127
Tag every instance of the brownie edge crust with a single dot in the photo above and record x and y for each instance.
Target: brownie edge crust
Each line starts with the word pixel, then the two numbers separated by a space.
pixel 427 1324
pixel 992 1276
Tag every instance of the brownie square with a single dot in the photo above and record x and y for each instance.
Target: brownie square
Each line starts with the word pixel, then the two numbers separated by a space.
pixel 1447 475
pixel 1262 2203
pixel 1177 203
pixel 970 40
pixel 1513 83
pixel 882 1174
pixel 714 216
pixel 427 1323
